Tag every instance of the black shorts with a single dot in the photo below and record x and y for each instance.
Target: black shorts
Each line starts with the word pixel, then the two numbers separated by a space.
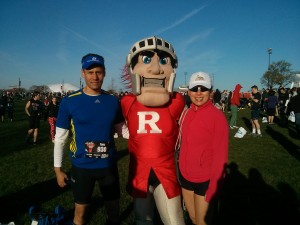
pixel 271 111
pixel 83 182
pixel 198 188
pixel 255 114
pixel 34 122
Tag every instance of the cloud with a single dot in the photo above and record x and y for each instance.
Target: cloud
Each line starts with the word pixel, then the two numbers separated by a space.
pixel 200 36
pixel 81 37
pixel 180 21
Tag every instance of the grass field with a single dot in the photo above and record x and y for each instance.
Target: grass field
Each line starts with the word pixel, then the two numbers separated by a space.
pixel 262 185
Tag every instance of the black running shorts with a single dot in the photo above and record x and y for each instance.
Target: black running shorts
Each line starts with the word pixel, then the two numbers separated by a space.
pixel 83 182
pixel 198 188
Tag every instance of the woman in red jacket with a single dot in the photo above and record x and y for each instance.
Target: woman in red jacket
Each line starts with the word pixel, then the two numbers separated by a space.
pixel 204 149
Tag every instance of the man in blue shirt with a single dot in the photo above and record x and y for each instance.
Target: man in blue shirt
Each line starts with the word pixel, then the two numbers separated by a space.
pixel 90 113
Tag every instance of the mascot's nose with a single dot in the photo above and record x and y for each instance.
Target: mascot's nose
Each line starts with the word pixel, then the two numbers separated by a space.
pixel 154 66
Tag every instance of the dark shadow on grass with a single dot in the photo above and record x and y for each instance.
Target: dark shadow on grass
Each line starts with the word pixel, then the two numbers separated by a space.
pixel 292 130
pixel 251 201
pixel 247 123
pixel 14 205
pixel 97 202
pixel 233 207
pixel 127 212
pixel 122 153
pixel 289 146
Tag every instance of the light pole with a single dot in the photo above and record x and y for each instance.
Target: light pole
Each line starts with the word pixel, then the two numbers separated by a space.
pixel 269 52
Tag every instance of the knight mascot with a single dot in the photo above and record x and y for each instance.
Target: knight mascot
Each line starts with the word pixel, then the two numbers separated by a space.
pixel 152 112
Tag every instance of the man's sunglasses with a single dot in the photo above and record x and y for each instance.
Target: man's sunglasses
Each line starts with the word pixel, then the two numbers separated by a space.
pixel 199 88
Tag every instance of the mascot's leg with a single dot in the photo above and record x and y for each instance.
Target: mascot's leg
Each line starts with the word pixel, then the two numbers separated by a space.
pixel 170 210
pixel 143 208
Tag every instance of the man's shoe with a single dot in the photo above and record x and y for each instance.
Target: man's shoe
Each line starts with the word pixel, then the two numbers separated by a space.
pixel 259 135
pixel 252 134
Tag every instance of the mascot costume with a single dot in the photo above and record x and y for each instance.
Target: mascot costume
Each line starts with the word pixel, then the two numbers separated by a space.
pixel 152 112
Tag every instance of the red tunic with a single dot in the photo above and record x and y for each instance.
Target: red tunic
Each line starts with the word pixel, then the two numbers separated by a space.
pixel 152 135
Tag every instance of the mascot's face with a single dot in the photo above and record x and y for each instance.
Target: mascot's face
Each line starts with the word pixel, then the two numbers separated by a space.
pixel 154 68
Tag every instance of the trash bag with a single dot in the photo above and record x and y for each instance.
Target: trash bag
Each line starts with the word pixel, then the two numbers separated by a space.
pixel 240 133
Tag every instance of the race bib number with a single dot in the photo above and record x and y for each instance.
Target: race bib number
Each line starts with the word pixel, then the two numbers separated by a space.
pixel 96 149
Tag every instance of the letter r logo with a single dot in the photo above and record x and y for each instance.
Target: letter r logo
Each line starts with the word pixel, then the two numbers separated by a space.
pixel 153 118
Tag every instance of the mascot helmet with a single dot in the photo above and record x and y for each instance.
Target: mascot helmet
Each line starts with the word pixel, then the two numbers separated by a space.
pixel 150 43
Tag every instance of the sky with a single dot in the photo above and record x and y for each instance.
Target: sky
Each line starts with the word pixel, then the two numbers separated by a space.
pixel 42 42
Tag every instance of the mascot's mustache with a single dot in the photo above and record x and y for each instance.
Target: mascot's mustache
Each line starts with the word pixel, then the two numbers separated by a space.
pixel 153 82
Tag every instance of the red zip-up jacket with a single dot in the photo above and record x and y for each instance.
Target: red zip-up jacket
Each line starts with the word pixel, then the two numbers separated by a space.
pixel 204 147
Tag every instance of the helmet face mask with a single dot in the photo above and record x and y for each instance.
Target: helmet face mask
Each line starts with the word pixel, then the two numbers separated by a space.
pixel 151 64
pixel 151 43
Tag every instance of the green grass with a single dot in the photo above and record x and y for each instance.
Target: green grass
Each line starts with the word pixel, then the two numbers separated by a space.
pixel 263 176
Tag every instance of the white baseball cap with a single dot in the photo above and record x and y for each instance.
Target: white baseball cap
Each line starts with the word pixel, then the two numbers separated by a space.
pixel 200 78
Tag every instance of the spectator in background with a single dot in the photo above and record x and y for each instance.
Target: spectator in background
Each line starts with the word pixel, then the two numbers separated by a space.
pixel 295 106
pixel 10 108
pixel 33 109
pixel 52 111
pixel 283 96
pixel 264 101
pixel 234 106
pixel 272 102
pixel 187 99
pixel 255 106
pixel 293 92
pixel 224 99
pixel 45 109
pixel 2 108
pixel 217 99
pixel 229 101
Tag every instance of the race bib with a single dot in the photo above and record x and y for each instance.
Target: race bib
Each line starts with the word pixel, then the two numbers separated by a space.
pixel 96 149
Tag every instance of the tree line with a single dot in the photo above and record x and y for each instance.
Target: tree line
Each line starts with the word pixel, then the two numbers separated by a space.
pixel 278 74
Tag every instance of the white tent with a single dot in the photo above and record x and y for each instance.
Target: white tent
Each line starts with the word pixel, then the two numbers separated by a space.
pixel 62 87
pixel 296 81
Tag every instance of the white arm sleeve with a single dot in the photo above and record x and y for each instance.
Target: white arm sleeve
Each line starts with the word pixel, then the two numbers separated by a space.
pixel 61 136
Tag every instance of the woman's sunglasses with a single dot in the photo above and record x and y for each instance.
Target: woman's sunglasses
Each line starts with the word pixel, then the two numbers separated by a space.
pixel 199 88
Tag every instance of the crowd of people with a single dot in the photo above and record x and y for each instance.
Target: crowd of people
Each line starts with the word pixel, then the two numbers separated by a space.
pixel 7 106
pixel 42 107
pixel 276 105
